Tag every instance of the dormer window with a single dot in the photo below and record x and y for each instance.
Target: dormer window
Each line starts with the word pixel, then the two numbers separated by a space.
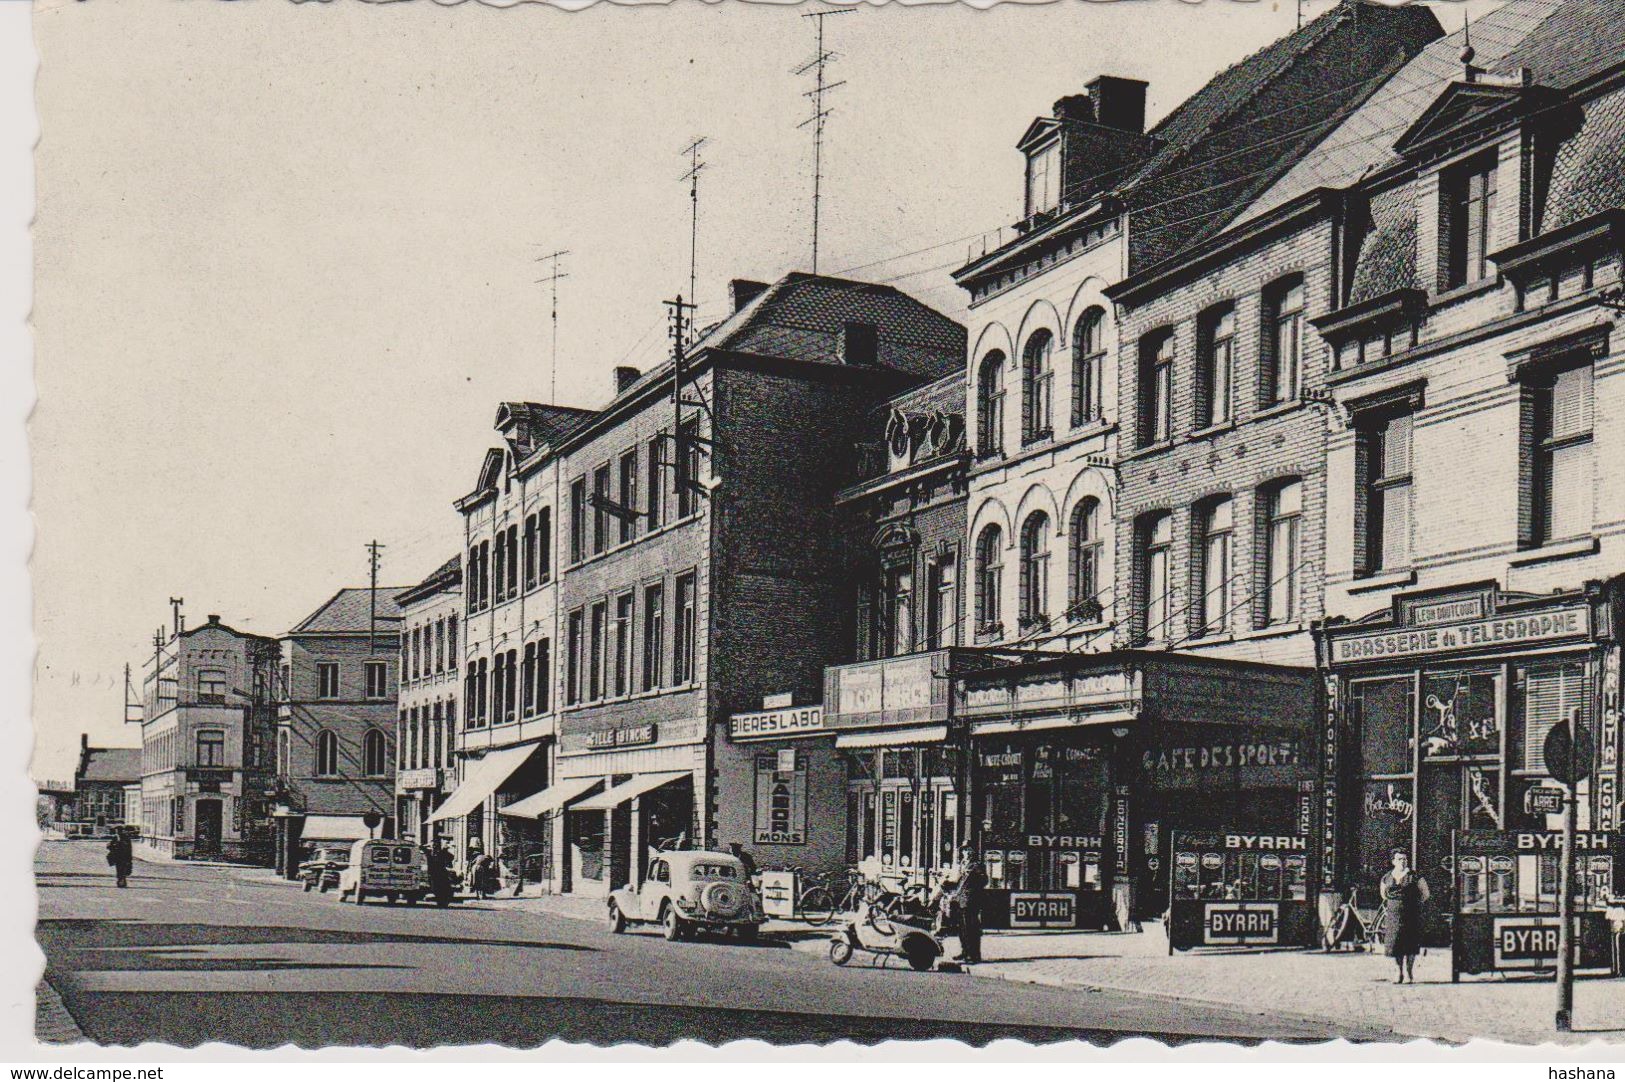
pixel 1044 178
pixel 1466 222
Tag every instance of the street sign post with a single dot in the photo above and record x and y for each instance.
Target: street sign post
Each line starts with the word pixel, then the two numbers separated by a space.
pixel 1546 800
pixel 1568 759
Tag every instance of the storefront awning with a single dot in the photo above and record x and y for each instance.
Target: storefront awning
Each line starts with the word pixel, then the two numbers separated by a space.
pixel 551 799
pixel 620 794
pixel 334 828
pixel 893 738
pixel 1110 717
pixel 482 781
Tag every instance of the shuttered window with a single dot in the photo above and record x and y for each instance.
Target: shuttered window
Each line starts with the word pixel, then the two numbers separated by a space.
pixel 1563 482
pixel 1551 695
pixel 1389 508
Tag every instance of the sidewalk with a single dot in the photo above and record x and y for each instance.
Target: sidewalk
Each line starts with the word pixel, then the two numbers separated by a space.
pixel 1355 989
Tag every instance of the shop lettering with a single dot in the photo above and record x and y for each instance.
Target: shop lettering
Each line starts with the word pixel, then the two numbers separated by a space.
pixel 1593 842
pixel 1237 923
pixel 1245 922
pixel 1564 623
pixel 1266 841
pixel 1529 942
pixel 776 722
pixel 622 738
pixel 1005 758
pixel 1064 841
pixel 1390 802
pixel 1278 753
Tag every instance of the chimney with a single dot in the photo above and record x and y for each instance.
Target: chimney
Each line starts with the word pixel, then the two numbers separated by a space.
pixel 625 376
pixel 214 618
pixel 860 343
pixel 741 291
pixel 1076 107
pixel 1119 103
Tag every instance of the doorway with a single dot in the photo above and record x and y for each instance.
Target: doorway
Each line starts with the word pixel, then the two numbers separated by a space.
pixel 206 838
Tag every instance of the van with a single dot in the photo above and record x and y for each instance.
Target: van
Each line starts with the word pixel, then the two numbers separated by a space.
pixel 381 868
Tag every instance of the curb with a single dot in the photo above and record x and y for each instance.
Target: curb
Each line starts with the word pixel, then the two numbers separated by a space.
pixel 53 1024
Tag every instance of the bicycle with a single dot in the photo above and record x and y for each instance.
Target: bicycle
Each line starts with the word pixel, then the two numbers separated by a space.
pixel 818 904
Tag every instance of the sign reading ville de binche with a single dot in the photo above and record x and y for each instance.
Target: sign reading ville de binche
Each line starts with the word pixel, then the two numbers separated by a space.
pixel 1565 623
pixel 764 724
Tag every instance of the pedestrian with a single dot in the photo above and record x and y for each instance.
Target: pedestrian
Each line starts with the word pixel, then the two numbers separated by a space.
pixel 483 876
pixel 121 855
pixel 1404 894
pixel 439 858
pixel 967 904
pixel 744 858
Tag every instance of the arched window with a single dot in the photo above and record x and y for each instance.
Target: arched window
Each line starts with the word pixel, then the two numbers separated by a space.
pixel 1216 519
pixel 989 568
pixel 990 405
pixel 1035 570
pixel 327 754
pixel 372 753
pixel 1156 387
pixel 1084 578
pixel 1154 583
pixel 1037 387
pixel 1089 368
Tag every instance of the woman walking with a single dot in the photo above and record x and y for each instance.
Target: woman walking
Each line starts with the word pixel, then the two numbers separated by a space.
pixel 121 855
pixel 1404 894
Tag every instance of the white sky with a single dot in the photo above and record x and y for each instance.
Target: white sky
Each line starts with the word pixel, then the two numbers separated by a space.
pixel 284 254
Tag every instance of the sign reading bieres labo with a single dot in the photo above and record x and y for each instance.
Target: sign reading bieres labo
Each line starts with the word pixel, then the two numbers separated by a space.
pixel 763 724
pixel 1565 623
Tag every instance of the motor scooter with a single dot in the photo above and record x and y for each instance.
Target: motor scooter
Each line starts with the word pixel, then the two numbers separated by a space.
pixel 887 934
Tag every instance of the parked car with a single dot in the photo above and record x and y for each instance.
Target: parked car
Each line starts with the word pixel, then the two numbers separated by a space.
pixel 688 891
pixel 321 869
pixel 384 868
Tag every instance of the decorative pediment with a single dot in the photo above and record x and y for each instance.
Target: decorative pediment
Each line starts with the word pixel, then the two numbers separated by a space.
pixel 490 471
pixel 1470 112
pixel 912 438
pixel 1038 131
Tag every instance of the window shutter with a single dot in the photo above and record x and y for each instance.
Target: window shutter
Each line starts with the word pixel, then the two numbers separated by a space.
pixel 1571 403
pixel 1550 696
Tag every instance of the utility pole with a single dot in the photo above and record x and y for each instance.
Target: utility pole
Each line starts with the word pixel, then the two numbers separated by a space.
pixel 555 275
pixel 1565 871
pixel 817 66
pixel 373 549
pixel 680 310
pixel 175 604
pixel 695 167
pixel 132 704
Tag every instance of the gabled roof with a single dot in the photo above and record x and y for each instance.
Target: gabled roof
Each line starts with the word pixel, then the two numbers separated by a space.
pixel 1465 107
pixel 350 612
pixel 117 765
pixel 445 577
pixel 533 423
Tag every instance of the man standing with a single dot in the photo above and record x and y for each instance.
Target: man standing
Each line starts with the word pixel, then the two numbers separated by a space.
pixel 968 900
pixel 121 855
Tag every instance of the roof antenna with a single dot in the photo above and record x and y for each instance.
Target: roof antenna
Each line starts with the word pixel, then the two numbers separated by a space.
pixel 555 273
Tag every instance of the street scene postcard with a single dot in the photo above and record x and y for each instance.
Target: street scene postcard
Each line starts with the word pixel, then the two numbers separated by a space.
pixel 828 526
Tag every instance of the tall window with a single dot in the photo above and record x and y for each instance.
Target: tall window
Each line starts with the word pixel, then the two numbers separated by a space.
pixel 1282 368
pixel 597 625
pixel 898 588
pixel 439 735
pixel 211 747
pixel 1155 581
pixel 1469 211
pixel 990 405
pixel 1037 386
pixel 451 642
pixel 942 616
pixel 989 570
pixel 1089 368
pixel 284 751
pixel 1044 179
pixel 419 663
pixel 685 634
pixel 512 535
pixel 688 468
pixel 544 676
pixel 544 545
pixel 527 682
pixel 1558 416
pixel 327 754
pixel 621 673
pixel 510 686
pixel 600 517
pixel 1384 451
pixel 657 484
pixel 1283 505
pixel 572 658
pixel 1216 521
pixel 629 495
pixel 1215 375
pixel 578 520
pixel 1035 569
pixel 327 680
pixel 211 685
pixel 530 540
pixel 1156 387
pixel 499 566
pixel 440 645
pixel 1086 550
pixel 654 618
pixel 377 679
pixel 373 759
pixel 499 687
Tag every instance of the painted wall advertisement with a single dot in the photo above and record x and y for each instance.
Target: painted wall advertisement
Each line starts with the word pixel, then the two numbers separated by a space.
pixel 781 800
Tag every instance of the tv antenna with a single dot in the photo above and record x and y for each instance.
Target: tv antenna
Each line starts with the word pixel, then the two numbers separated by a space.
pixel 555 274
pixel 373 550
pixel 695 168
pixel 821 86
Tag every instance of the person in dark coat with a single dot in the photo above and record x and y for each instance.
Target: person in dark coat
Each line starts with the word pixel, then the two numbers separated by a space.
pixel 1404 894
pixel 440 873
pixel 121 855
pixel 967 905
pixel 744 857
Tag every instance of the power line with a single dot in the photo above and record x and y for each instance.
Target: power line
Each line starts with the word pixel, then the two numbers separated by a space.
pixel 817 65
pixel 555 275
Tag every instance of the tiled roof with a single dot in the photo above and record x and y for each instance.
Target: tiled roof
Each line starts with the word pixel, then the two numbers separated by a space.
pixel 1589 173
pixel 1388 256
pixel 350 610
pixel 544 423
pixel 111 765
pixel 1561 41
pixel 444 577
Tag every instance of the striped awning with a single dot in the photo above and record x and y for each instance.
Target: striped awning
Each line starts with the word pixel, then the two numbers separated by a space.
pixel 893 738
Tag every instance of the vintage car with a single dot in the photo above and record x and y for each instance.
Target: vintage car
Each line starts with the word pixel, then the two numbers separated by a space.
pixel 687 891
pixel 385 868
pixel 322 866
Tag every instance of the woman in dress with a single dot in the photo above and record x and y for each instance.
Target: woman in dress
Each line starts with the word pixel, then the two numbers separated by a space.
pixel 1404 893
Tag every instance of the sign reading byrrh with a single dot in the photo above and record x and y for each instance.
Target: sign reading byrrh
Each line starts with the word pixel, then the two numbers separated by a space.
pixel 1565 623
pixel 765 724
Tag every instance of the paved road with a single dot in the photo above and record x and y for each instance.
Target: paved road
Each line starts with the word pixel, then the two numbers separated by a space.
pixel 192 953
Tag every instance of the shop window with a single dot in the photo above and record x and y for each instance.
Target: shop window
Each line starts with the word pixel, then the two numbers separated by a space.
pixel 1156 387
pixel 1215 374
pixel 1466 221
pixel 989 569
pixel 1088 368
pixel 1383 468
pixel 1037 387
pixel 1551 694
pixel 1281 360
pixel 1215 521
pixel 1461 715
pixel 1154 599
pixel 1283 528
pixel 990 405
pixel 1035 543
pixel 1380 712
pixel 1558 493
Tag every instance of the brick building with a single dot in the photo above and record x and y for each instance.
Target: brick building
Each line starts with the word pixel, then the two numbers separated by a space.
pixel 335 722
pixel 208 721
pixel 100 781
pixel 430 672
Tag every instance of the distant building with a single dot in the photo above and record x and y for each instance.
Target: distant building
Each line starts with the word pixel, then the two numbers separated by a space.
pixel 426 725
pixel 206 737
pixel 336 712
pixel 101 781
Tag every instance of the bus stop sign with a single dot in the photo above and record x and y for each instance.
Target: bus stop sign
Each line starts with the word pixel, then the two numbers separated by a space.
pixel 1568 759
pixel 1546 800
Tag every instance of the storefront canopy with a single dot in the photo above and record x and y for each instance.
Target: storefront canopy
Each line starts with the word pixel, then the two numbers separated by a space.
pixel 1106 717
pixel 334 828
pixel 482 781
pixel 550 799
pixel 620 794
pixel 893 738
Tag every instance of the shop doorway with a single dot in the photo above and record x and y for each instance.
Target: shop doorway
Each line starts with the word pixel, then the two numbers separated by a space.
pixel 620 845
pixel 206 838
